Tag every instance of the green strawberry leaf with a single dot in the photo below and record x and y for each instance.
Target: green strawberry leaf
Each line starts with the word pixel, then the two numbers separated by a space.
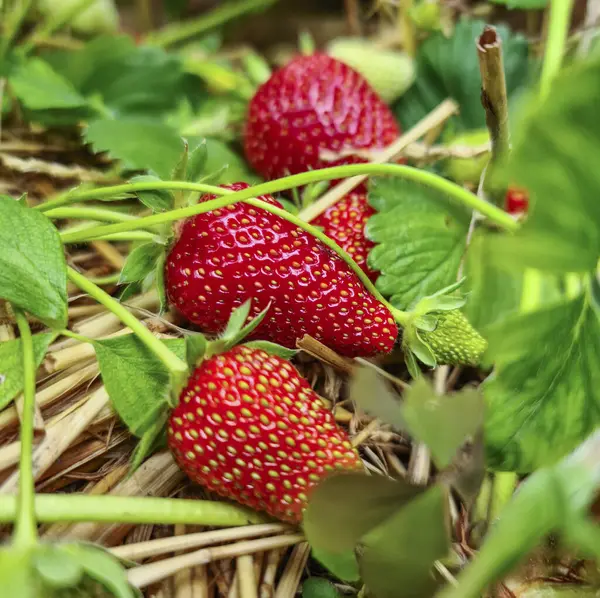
pixel 139 143
pixel 342 564
pixel 420 237
pixel 392 571
pixel 141 262
pixel 236 321
pixel 158 200
pixel 544 396
pixel 39 87
pixel 196 164
pixel 219 155
pixel 159 276
pixel 343 508
pixel 11 364
pixel 195 349
pixel 33 272
pixel 150 439
pixel 56 567
pixel 317 587
pixel 136 381
pixel 558 235
pixel 272 349
pixel 443 423
pixel 448 67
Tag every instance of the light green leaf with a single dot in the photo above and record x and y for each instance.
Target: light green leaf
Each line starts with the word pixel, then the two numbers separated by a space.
pixel 272 349
pixel 158 200
pixel 219 157
pixel 135 379
pixel 197 162
pixel 236 321
pixel 195 348
pixel 39 87
pixel 448 67
pixel 443 423
pixel 139 143
pixel 396 558
pixel 11 364
pixel 141 262
pixel 420 237
pixel 344 507
pixel 562 232
pixel 544 396
pixel 342 564
pixel 369 391
pixel 57 567
pixel 33 272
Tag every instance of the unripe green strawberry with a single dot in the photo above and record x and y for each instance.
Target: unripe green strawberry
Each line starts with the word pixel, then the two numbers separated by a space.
pixel 454 341
pixel 389 72
pixel 468 170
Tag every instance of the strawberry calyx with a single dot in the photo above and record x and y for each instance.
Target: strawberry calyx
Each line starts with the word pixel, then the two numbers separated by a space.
pixel 438 333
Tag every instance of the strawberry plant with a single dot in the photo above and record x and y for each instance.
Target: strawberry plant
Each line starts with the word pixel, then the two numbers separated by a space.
pixel 262 333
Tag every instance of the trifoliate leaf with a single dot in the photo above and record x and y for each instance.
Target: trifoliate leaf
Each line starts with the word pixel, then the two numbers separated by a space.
pixel 448 67
pixel 544 396
pixel 562 231
pixel 11 364
pixel 33 272
pixel 136 380
pixel 141 262
pixel 140 144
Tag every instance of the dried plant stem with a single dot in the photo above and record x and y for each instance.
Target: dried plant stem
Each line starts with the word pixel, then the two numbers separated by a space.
pixel 439 115
pixel 288 585
pixel 246 578
pixel 494 100
pixel 267 587
pixel 110 254
pixel 148 574
pixel 353 16
pixel 142 550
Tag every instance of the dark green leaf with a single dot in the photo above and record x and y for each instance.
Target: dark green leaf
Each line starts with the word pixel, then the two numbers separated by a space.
pixel 272 349
pixel 559 235
pixel 448 67
pixel 39 87
pixel 544 396
pixel 11 364
pixel 101 566
pixel 135 379
pixel 317 587
pixel 158 200
pixel 195 348
pixel 345 507
pixel 420 239
pixel 57 567
pixel 149 439
pixel 396 558
pixel 443 423
pixel 342 564
pixel 140 144
pixel 141 262
pixel 369 391
pixel 33 272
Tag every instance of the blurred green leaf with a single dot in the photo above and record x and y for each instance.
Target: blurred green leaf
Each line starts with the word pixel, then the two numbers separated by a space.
pixel 17 575
pixel 449 67
pixel 369 391
pixel 56 567
pixel 317 587
pixel 397 557
pixel 420 236
pixel 219 155
pixel 562 231
pixel 345 507
pixel 544 396
pixel 342 564
pixel 444 422
pixel 140 144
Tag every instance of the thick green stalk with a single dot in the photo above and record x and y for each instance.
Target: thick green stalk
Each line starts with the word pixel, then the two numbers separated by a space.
pixel 558 30
pixel 25 525
pixel 127 509
pixel 136 235
pixel 176 366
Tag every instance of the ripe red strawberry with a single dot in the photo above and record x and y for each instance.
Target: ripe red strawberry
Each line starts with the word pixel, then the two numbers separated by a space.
pixel 517 201
pixel 314 103
pixel 345 223
pixel 225 257
pixel 249 427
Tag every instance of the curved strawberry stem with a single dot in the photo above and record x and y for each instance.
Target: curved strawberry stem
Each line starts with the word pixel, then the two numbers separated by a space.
pixel 452 190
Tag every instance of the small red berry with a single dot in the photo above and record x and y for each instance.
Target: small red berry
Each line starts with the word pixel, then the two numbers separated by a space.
pixel 250 428
pixel 226 257
pixel 517 201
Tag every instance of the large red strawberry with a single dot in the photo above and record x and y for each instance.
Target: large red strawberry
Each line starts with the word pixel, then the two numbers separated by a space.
pixel 249 427
pixel 225 257
pixel 345 223
pixel 312 104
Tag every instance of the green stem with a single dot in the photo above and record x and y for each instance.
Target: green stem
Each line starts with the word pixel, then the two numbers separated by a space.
pixel 140 235
pixel 77 337
pixel 127 509
pixel 25 526
pixel 176 366
pixel 105 280
pixel 179 32
pixel 558 29
pixel 503 488
pixel 98 214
